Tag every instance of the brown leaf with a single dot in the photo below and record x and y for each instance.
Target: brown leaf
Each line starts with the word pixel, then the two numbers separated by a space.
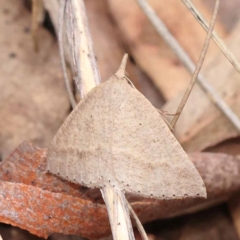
pixel 149 50
pixel 204 125
pixel 26 165
pixel 33 98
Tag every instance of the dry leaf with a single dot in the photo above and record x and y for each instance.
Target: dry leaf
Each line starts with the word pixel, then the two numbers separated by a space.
pixel 33 98
pixel 204 126
pixel 148 49
pixel 42 212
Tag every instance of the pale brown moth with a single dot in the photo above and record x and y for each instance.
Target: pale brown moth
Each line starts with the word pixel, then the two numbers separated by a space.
pixel 117 141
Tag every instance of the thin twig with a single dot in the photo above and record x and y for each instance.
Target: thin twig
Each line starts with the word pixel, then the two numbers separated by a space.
pixel 187 62
pixel 37 19
pixel 198 67
pixel 138 223
pixel 215 37
pixel 62 8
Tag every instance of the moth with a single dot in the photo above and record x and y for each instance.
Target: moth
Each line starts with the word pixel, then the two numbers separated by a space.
pixel 117 141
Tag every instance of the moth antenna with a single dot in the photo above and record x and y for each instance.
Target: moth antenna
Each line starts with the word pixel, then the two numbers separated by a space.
pixel 121 71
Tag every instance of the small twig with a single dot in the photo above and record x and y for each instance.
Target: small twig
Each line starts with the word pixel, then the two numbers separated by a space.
pixel 215 37
pixel 138 223
pixel 198 67
pixel 37 18
pixel 187 62
pixel 62 8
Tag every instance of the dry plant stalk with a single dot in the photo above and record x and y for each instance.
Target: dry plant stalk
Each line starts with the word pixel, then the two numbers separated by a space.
pixel 198 67
pixel 86 73
pixel 37 19
pixel 62 9
pixel 187 62
pixel 215 37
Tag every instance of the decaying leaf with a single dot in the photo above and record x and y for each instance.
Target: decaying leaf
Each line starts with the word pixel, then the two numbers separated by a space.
pixel 149 50
pixel 221 181
pixel 33 98
pixel 202 126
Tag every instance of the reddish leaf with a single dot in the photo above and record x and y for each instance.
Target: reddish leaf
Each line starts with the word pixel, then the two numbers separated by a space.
pixel 42 212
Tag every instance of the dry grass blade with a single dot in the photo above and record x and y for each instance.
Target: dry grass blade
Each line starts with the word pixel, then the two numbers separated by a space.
pixel 185 59
pixel 138 222
pixel 215 37
pixel 198 67
pixel 62 8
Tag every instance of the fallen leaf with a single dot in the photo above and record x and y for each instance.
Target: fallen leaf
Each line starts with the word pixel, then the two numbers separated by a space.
pixel 33 98
pixel 42 212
